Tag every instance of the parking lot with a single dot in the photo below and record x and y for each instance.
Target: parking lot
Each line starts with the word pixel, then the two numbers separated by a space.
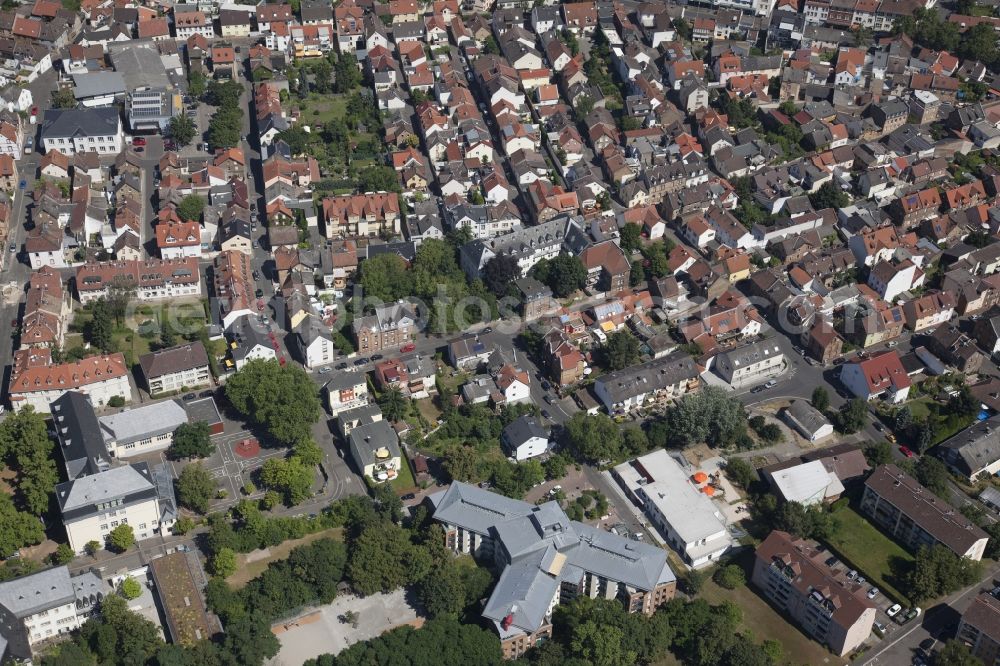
pixel 864 589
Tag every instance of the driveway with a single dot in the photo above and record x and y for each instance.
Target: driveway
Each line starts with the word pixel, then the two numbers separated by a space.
pixel 318 631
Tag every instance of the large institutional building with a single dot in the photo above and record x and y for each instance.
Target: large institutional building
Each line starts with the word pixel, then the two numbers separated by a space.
pixel 545 559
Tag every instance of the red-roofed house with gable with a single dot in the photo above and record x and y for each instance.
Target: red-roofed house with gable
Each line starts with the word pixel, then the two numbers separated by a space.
pixel 881 376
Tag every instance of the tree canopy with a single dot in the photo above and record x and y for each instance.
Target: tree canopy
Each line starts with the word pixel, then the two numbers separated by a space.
pixel 711 415
pixel 283 399
pixel 182 129
pixel 191 208
pixel 621 350
pixel 191 440
pixel 195 488
pixel 564 275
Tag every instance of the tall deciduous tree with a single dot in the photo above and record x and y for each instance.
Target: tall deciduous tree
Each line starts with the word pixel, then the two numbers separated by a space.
pixel 281 398
pixel 191 440
pixel 122 538
pixel 621 350
pixel 499 274
pixel 195 488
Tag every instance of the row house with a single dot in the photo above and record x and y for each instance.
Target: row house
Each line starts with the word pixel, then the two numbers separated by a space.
pixel 929 311
pixel 152 279
pixel 46 307
pixel 361 215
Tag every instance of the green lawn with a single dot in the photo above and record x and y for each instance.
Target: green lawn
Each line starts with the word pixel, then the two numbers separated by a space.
pixel 321 109
pixel 863 547
pixel 248 570
pixel 765 622
pixel 404 482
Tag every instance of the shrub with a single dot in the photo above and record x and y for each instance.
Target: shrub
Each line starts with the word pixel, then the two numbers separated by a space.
pixel 730 576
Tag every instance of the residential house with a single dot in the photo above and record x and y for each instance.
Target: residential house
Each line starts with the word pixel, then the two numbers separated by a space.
pixel 879 376
pixel 523 438
pixel 70 131
pixel 36 381
pixel 390 326
pixel 175 369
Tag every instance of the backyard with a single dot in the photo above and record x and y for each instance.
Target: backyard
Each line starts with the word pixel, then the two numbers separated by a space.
pixel 863 547
pixel 766 623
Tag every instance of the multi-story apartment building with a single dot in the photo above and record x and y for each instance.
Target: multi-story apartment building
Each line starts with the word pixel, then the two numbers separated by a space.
pixel 980 628
pixel 152 279
pixel 754 362
pixel 390 326
pixel 72 131
pixel 681 512
pixel 175 368
pixel 527 245
pixel 188 23
pixel 93 506
pixel 793 575
pixel 39 608
pixel 669 376
pixel 35 381
pixel 545 559
pixel 347 390
pixel 233 287
pixel 916 517
pixel 361 215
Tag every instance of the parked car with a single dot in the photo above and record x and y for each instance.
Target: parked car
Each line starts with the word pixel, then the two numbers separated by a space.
pixel 893 610
pixel 23 184
pixel 546 415
pixel 259 293
pixel 12 248
pixel 341 366
pixel 190 396
pixel 360 361
pixel 408 496
pixel 138 141
pixel 139 149
pixel 323 371
pixel 771 384
pixel 872 593
pixel 545 385
pixel 906 451
pixel 407 348
pixel 879 626
pixel 488 329
pixel 830 561
pixel 852 574
pixel 376 357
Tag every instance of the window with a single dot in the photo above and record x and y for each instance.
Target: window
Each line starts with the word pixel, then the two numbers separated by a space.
pixel 104 528
pixel 114 523
pixel 142 526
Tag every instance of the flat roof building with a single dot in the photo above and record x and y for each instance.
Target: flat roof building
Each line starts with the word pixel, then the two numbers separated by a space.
pixel 917 517
pixel 684 515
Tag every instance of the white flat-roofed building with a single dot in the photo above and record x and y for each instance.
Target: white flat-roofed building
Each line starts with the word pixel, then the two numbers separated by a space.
pixel 145 429
pixel 808 483
pixel 685 516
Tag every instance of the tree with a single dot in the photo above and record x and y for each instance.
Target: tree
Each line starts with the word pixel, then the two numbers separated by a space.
pixel 600 645
pixel 878 453
pixel 182 129
pixel 17 529
pixel 307 451
pixel 196 82
pixel 284 399
pixel 224 563
pixel 938 571
pixel 224 128
pixel 956 653
pixel 631 237
pixel 249 641
pixel 490 46
pixel 378 178
pixel 288 476
pixel 64 554
pixel 130 588
pixel 348 73
pixel 63 98
pixel 710 416
pixel 820 398
pixel 323 76
pixel 741 472
pixel 195 488
pixel 183 525
pixel 380 559
pixel 384 277
pixel 393 404
pixel 730 576
pixel 621 350
pixel 853 417
pixel 499 274
pixel 25 447
pixel 191 440
pixel 933 475
pixel 829 195
pixel 99 331
pixel 92 547
pixel 811 522
pixel 564 275
pixel 191 208
pixel 592 438
pixel 121 538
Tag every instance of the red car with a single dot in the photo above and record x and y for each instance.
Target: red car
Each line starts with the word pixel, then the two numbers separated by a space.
pixel 906 452
pixel 407 348
pixel 260 304
pixel 138 141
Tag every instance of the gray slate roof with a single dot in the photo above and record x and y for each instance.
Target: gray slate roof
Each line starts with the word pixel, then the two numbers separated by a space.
pixel 79 433
pixel 36 592
pixel 68 123
pixel 150 420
